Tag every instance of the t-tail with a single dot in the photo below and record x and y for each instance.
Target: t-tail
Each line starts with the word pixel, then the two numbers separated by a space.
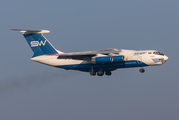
pixel 37 42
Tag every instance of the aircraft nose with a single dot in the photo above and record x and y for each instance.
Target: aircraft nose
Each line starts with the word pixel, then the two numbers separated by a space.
pixel 165 58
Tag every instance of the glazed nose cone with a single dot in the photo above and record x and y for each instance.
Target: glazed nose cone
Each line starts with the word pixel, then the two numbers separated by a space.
pixel 165 58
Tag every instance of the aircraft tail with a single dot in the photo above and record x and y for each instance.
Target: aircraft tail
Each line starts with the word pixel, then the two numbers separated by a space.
pixel 37 42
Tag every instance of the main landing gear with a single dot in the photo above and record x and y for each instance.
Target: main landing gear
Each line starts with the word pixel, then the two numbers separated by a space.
pixel 142 70
pixel 100 73
pixel 92 73
pixel 108 73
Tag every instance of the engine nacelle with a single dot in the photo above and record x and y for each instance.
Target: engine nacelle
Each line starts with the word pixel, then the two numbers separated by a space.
pixel 104 59
pixel 107 59
pixel 119 58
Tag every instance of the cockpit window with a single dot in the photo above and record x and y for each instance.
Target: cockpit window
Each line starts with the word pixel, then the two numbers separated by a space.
pixel 158 53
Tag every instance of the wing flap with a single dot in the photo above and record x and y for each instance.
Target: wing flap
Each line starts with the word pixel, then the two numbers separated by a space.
pixel 76 57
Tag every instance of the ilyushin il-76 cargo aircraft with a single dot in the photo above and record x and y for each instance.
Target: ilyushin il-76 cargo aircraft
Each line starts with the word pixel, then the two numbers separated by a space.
pixel 98 62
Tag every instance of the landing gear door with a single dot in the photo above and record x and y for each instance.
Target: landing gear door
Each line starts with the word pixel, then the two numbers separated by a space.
pixel 139 59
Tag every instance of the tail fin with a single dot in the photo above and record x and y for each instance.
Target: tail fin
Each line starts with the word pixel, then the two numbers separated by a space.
pixel 37 41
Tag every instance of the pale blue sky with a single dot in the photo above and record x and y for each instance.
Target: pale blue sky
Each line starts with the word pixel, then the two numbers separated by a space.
pixel 32 91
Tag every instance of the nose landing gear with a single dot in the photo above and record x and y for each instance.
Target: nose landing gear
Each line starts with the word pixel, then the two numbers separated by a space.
pixel 142 70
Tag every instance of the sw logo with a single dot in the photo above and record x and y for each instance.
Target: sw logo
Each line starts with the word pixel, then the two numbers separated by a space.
pixel 36 43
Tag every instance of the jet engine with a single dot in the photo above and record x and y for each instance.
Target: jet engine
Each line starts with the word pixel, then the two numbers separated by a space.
pixel 108 59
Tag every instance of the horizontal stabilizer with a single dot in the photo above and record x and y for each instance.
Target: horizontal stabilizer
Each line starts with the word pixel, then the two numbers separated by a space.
pixel 31 31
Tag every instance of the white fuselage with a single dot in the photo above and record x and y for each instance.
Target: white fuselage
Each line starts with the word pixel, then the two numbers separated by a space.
pixel 98 61
pixel 132 58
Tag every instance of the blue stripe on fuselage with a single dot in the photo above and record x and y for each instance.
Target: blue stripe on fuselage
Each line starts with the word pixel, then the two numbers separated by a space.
pixel 105 67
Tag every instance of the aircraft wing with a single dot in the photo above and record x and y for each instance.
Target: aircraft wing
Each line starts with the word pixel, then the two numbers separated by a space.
pixel 87 55
pixel 107 51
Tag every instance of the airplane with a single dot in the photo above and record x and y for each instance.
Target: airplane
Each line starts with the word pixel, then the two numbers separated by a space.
pixel 98 62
